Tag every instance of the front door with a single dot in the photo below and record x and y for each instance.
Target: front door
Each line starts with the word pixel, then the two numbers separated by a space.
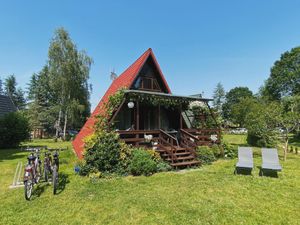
pixel 148 118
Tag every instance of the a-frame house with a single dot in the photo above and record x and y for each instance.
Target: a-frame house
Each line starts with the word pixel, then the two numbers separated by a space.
pixel 142 122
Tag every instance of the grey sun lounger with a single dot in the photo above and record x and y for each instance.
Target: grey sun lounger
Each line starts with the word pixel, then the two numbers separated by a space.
pixel 270 160
pixel 245 157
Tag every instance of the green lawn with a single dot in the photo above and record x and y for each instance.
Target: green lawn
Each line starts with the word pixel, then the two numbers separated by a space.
pixel 208 195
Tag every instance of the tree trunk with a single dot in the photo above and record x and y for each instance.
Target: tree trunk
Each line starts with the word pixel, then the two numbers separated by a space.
pixel 65 124
pixel 286 146
pixel 58 123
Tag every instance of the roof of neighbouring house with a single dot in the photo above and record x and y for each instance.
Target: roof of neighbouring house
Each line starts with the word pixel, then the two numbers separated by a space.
pixel 125 80
pixel 6 105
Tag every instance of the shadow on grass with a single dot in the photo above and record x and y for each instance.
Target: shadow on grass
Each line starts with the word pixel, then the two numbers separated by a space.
pixel 243 171
pixel 10 154
pixel 40 189
pixel 267 173
pixel 63 180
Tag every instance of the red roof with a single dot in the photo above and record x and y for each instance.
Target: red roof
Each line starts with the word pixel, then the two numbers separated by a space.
pixel 126 79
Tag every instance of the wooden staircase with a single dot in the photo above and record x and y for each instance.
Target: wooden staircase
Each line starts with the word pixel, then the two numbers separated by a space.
pixel 182 157
pixel 172 152
pixel 179 155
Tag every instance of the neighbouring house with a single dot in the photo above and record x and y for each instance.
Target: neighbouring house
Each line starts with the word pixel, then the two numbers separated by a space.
pixel 6 105
pixel 150 115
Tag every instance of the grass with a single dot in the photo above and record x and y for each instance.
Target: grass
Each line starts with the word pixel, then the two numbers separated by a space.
pixel 208 195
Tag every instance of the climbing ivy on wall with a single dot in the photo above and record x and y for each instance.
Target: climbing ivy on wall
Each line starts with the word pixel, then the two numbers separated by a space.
pixel 202 115
pixel 107 110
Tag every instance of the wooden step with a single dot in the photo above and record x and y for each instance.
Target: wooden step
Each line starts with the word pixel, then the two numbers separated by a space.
pixel 177 154
pixel 187 163
pixel 176 147
pixel 182 153
pixel 160 150
pixel 182 158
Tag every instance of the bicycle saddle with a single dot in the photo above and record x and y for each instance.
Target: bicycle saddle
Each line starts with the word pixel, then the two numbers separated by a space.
pixel 31 157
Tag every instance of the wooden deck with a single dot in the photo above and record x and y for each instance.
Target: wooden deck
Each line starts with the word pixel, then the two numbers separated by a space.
pixel 178 151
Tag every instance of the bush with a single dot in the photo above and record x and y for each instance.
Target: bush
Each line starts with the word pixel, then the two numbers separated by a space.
pixel 83 168
pixel 14 128
pixel 143 162
pixel 216 151
pixel 163 166
pixel 106 153
pixel 205 154
pixel 264 140
pixel 230 151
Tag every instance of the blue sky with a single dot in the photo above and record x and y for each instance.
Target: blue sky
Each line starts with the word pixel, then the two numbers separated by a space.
pixel 197 43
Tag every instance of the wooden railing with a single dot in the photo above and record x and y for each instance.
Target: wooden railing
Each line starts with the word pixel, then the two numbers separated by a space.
pixel 137 136
pixel 189 141
pixel 167 142
pixel 204 135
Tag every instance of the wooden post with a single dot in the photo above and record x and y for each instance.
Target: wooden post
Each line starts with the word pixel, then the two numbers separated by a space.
pixel 219 127
pixel 180 114
pixel 137 120
pixel 116 112
pixel 158 116
pixel 137 116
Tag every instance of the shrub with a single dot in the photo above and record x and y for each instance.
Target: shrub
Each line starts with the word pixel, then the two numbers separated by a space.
pixel 230 151
pixel 266 139
pixel 205 154
pixel 142 162
pixel 216 150
pixel 106 153
pixel 163 166
pixel 14 128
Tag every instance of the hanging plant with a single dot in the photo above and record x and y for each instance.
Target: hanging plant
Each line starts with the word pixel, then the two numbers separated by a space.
pixel 156 100
pixel 198 108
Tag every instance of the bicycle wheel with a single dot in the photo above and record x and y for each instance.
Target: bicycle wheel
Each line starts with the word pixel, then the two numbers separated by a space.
pixel 55 179
pixel 28 187
pixel 38 173
pixel 46 174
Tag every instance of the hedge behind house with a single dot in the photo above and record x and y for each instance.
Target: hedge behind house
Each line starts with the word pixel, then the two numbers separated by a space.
pixel 14 128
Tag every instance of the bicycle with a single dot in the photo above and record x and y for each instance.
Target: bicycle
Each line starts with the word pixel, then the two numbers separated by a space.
pixel 55 169
pixel 32 173
pixel 47 166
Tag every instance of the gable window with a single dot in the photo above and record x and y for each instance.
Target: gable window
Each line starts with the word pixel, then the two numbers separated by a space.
pixel 149 83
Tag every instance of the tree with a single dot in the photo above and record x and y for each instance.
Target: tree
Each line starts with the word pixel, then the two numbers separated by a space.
pixel 284 79
pixel 290 118
pixel 16 95
pixel 41 110
pixel 240 110
pixel 233 97
pixel 219 97
pixel 69 73
pixel 1 87
pixel 10 86
pixel 262 122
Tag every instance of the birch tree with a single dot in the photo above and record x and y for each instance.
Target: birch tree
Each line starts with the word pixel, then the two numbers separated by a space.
pixel 69 74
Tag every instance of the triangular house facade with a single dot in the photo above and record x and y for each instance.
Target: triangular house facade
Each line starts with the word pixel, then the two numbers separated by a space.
pixel 150 111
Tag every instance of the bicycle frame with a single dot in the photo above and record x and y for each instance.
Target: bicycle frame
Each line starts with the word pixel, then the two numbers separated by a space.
pixel 48 162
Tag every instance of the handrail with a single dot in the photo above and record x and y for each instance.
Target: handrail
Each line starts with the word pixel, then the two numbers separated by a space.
pixel 191 145
pixel 203 130
pixel 189 134
pixel 165 133
pixel 169 143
